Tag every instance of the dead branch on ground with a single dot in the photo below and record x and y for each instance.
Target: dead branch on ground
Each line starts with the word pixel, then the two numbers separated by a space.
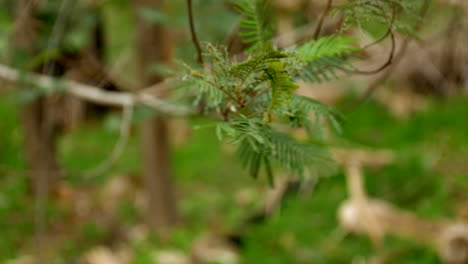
pixel 377 218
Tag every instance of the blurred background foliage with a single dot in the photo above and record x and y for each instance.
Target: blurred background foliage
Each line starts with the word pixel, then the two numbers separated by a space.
pixel 429 176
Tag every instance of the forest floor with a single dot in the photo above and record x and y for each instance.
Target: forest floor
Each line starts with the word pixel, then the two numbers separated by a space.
pixel 429 177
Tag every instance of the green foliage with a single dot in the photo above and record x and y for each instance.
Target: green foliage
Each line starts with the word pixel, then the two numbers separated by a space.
pixel 399 15
pixel 299 116
pixel 259 145
pixel 255 147
pixel 324 57
pixel 257 62
pixel 255 26
pixel 255 97
pixel 281 86
pixel 334 45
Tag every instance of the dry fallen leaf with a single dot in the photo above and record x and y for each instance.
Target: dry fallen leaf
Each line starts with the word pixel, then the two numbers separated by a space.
pixel 214 248
pixel 101 255
pixel 171 257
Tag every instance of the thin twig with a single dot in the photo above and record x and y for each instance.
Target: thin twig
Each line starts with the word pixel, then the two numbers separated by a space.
pixel 194 34
pixel 389 60
pixel 221 88
pixel 318 28
pixel 378 82
pixel 58 31
pixel 387 63
pixel 377 41
pixel 375 84
pixel 124 135
pixel 389 31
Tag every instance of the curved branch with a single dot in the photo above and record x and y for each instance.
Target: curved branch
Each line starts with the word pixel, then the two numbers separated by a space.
pixel 194 34
pixel 389 31
pixel 124 135
pixel 387 63
pixel 392 49
pixel 376 83
pixel 377 41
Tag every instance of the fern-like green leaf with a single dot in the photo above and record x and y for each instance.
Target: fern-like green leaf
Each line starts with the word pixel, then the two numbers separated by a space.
pixel 361 13
pixel 328 46
pixel 255 28
pixel 260 146
pixel 282 87
pixel 295 156
pixel 323 58
pixel 256 63
pixel 301 108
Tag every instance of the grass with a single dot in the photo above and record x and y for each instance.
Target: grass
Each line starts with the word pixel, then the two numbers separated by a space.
pixel 427 177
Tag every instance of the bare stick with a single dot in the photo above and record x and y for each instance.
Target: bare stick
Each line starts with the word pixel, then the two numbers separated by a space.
pixel 96 95
pixel 194 34
pixel 377 218
pixel 124 135
pixel 449 238
pixel 358 196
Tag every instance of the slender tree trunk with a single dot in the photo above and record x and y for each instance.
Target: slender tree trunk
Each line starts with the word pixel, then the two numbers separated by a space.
pixel 38 125
pixel 39 144
pixel 154 46
pixel 39 130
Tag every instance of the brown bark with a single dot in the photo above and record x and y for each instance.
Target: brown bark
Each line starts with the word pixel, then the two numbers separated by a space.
pixel 38 124
pixel 154 46
pixel 39 142
pixel 39 130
